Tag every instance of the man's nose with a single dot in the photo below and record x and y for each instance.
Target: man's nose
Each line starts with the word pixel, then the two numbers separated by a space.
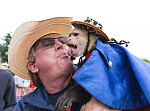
pixel 59 46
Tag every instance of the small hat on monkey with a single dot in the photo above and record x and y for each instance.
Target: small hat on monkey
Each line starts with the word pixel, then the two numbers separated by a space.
pixel 93 27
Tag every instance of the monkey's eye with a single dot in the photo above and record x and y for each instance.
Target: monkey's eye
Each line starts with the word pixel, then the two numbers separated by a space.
pixel 73 34
pixel 76 34
pixel 69 35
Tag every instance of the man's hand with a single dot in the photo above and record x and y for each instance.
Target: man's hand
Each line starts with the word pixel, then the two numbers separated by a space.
pixel 76 94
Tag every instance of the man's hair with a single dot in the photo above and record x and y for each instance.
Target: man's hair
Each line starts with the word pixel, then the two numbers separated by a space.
pixel 34 77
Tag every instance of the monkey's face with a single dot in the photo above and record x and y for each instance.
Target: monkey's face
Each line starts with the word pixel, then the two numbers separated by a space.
pixel 77 42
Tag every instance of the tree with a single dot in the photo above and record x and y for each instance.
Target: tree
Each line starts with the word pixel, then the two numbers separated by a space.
pixel 146 60
pixel 4 48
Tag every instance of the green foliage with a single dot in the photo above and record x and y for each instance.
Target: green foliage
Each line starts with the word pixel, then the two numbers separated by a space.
pixel 146 60
pixel 4 48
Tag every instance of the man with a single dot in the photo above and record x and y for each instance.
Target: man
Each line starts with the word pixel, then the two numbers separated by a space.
pixel 36 51
pixel 7 90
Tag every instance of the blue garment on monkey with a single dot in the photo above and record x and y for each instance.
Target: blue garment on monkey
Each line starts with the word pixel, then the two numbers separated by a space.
pixel 124 84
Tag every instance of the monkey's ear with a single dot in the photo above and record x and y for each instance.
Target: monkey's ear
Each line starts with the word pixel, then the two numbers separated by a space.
pixel 32 67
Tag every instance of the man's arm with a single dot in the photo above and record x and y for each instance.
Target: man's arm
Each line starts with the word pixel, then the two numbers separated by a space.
pixel 20 86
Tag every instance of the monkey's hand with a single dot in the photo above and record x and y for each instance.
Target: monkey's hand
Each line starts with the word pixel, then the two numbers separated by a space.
pixel 75 94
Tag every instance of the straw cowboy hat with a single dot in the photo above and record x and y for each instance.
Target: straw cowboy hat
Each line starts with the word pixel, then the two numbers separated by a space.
pixel 91 26
pixel 26 35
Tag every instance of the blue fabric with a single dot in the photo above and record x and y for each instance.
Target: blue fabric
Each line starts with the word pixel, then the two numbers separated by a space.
pixel 124 86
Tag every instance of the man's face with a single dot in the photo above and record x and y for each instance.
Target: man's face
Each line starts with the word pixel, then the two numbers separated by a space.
pixel 51 57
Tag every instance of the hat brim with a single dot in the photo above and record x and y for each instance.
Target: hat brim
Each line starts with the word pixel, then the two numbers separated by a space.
pixel 26 35
pixel 92 26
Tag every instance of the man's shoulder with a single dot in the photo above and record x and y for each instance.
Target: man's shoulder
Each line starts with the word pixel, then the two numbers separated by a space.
pixel 5 73
pixel 25 97
pixel 32 95
pixel 21 105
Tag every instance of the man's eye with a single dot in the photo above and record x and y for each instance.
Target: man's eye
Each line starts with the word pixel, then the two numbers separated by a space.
pixel 47 44
pixel 76 34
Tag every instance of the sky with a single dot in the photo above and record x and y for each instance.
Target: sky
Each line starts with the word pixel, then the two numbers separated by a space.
pixel 121 19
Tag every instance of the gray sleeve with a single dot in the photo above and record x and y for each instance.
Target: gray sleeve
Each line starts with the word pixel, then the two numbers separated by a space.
pixel 10 108
pixel 10 94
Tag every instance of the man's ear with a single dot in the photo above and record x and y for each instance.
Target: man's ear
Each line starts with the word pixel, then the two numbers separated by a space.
pixel 32 67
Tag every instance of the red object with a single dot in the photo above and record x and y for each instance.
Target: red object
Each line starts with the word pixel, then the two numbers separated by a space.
pixel 32 87
pixel 69 109
pixel 89 54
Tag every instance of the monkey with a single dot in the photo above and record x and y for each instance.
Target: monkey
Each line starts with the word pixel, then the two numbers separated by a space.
pixel 103 60
pixel 77 43
pixel 82 42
